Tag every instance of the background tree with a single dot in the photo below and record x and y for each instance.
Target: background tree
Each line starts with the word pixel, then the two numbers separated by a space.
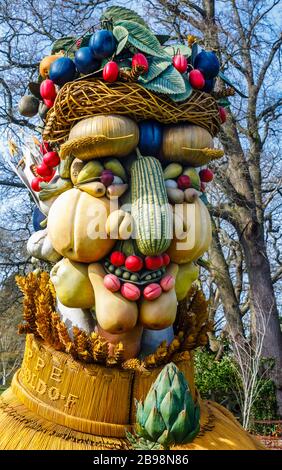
pixel 245 257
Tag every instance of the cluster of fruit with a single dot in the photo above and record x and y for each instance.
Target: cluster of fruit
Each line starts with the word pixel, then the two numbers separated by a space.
pixel 202 75
pixel 46 170
pixel 185 184
pixel 139 272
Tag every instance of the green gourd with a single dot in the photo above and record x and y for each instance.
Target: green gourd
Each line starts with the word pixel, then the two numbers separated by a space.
pixel 150 207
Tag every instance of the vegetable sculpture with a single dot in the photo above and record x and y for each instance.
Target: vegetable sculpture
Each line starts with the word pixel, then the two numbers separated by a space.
pixel 124 203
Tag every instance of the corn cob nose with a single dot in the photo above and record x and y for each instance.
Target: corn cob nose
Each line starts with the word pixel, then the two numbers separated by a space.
pixel 151 210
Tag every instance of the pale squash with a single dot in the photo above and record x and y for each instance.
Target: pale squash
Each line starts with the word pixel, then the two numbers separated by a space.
pixel 178 138
pixel 114 313
pixel 197 224
pixel 76 226
pixel 72 284
pixel 101 136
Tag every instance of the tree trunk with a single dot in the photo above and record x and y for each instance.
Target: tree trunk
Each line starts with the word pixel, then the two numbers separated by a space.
pixel 263 299
pixel 220 273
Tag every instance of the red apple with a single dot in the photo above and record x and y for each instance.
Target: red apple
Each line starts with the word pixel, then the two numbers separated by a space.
pixel 48 178
pixel 206 175
pixel 153 262
pixel 180 63
pixel 166 259
pixel 183 182
pixel 44 170
pixel 110 71
pixel 133 263
pixel 51 159
pixel 222 114
pixel 117 258
pixel 140 59
pixel 35 183
pixel 196 79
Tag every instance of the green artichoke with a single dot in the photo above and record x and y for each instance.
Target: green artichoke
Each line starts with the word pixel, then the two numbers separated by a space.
pixel 168 415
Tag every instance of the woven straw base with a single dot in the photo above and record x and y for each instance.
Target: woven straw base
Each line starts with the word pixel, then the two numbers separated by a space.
pixel 21 429
pixel 56 402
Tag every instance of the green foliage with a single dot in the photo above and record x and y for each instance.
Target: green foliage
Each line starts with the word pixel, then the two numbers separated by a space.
pixel 169 82
pixel 121 35
pixel 178 49
pixel 178 97
pixel 142 38
pixel 157 65
pixel 216 380
pixel 115 13
pixel 265 408
pixel 67 43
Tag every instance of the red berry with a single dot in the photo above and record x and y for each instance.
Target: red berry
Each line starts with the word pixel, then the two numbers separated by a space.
pixel 51 159
pixel 35 183
pixel 133 263
pixel 44 147
pixel 180 63
pixel 206 175
pixel 140 59
pixel 110 71
pixel 44 170
pixel 196 79
pixel 130 291
pixel 152 291
pixel 153 262
pixel 49 103
pixel 48 90
pixel 117 258
pixel 203 187
pixel 48 178
pixel 222 114
pixel 183 182
pixel 166 259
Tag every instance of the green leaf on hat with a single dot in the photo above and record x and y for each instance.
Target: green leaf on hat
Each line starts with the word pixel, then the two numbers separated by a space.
pixel 174 49
pixel 116 13
pixel 170 82
pixel 121 35
pixel 157 65
pixel 142 38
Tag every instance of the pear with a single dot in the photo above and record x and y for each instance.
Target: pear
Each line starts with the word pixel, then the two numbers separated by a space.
pixel 194 177
pixel 116 167
pixel 114 313
pixel 75 169
pixel 91 170
pixel 72 284
pixel 159 313
pixel 172 171
pixel 187 274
